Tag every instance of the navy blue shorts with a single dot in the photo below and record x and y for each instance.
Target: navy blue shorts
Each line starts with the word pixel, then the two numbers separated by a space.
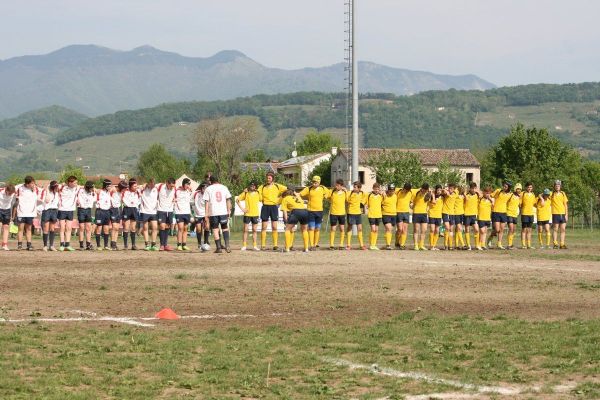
pixel 130 214
pixel 217 220
pixel 470 220
pixel 25 220
pixel 84 215
pixel 435 221
pixel 50 215
pixel 250 220
pixel 559 219
pixel 374 221
pixel 315 219
pixel 403 217
pixel 420 219
pixel 300 216
pixel 164 217
pixel 65 215
pixel 459 219
pixel 115 214
pixel 147 217
pixel 102 217
pixel 269 212
pixel 185 218
pixel 354 219
pixel 511 220
pixel 334 220
pixel 527 221
pixel 499 217
pixel 542 223
pixel 389 219
pixel 5 216
pixel 448 218
pixel 485 224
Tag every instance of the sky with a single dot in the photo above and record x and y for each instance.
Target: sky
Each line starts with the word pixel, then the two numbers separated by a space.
pixel 507 42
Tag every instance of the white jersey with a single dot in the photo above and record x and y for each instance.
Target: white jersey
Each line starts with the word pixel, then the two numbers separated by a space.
pixel 6 200
pixel 149 200
pixel 131 198
pixel 216 195
pixel 68 198
pixel 85 199
pixel 166 198
pixel 199 204
pixel 183 200
pixel 50 199
pixel 103 200
pixel 28 200
pixel 115 200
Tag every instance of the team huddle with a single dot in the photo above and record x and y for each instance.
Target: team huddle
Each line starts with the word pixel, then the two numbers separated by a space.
pixel 154 209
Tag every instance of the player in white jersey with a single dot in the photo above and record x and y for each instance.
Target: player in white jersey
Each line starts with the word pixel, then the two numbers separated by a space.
pixel 131 203
pixel 27 200
pixel 86 198
pixel 66 209
pixel 183 213
pixel 103 207
pixel 50 199
pixel 218 210
pixel 7 196
pixel 202 229
pixel 166 201
pixel 148 217
pixel 115 213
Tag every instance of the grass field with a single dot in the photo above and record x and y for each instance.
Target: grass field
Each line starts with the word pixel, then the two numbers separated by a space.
pixel 330 324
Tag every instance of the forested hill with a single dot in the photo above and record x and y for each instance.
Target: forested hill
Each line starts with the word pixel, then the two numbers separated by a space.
pixel 436 118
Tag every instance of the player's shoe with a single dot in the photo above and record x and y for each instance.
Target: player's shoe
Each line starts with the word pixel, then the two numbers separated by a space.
pixel 29 248
pixel 45 248
pixel 61 248
pixel 5 248
pixel 479 248
pixel 99 248
pixel 244 248
pixel 161 248
pixel 388 247
pixel 154 248
pixel 69 248
pixel 179 248
pixel 555 247
pixel 185 248
pixel 275 248
pixel 563 246
pixel 147 248
pixel 434 249
pixel 500 247
pixel 228 249
pixel 531 247
pixel 168 248
pixel 52 248
pixel 373 248
pixel 218 251
pixel 331 248
pixel 133 247
pixel 256 248
pixel 469 248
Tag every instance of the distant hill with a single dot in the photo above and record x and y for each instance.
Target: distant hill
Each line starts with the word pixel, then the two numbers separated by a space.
pixel 96 80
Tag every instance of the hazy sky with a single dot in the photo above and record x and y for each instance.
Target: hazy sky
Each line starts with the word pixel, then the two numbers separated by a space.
pixel 504 41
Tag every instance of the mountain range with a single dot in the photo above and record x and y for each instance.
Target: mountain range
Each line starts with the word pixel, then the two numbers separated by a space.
pixel 95 80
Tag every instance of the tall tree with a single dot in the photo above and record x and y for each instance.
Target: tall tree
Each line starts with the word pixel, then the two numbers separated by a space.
pixel 317 142
pixel 398 167
pixel 158 163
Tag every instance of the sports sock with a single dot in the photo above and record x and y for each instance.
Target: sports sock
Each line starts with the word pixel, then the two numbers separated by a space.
pixel 548 238
pixel 206 236
pixel 125 239
pixel 67 244
pixel 81 243
pixel 132 236
pixel 446 239
pixel 540 238
pixel 218 243
pixel 398 238
pixel 317 236
pixel 45 239
pixel 311 236
pixel 388 238
pixel 403 238
pixel 349 238
pixel 528 242
pixel 97 240
pixel 293 237
pixel 342 238
pixel 422 242
pixel 275 237
pixel 331 238
pixel 226 237
pixel 51 236
pixel 372 238
pixel 476 237
pixel 460 241
pixel 288 239
pixel 361 240
pixel 430 239
pixel 305 239
pixel 199 238
pixel 263 238
pixel 510 239
pixel 105 237
pixel 468 237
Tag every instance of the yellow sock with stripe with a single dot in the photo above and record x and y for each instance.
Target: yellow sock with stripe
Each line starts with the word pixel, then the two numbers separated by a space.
pixel 305 239
pixel 331 238
pixel 263 238
pixel 275 238
pixel 388 238
pixel 403 238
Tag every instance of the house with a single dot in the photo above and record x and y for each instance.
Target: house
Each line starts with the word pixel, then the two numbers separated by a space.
pixel 460 159
pixel 256 166
pixel 298 169
pixel 193 184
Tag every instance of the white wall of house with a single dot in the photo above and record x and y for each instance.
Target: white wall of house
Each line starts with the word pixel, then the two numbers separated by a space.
pixel 300 173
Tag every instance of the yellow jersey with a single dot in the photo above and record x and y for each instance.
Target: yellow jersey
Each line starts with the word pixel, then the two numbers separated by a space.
pixel 271 194
pixel 484 213
pixel 471 204
pixel 512 207
pixel 459 205
pixel 449 200
pixel 419 203
pixel 388 205
pixel 290 203
pixel 501 200
pixel 374 202
pixel 337 199
pixel 315 197
pixel 528 201
pixel 544 212
pixel 435 207
pixel 559 202
pixel 404 199
pixel 251 200
pixel 355 199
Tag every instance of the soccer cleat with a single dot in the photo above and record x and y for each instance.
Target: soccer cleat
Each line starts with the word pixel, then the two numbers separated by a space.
pixel 228 249
pixel 524 247
pixel 69 248
pixel 479 248
pixel 484 248
pixel 417 248
pixel 331 248
pixel 29 248
pixel 154 248
pixel 168 248
pixel 305 250
pixel 61 248
pixel 275 248
pixel 185 248
pixel 45 248
pixel 5 248
pixel 147 248
pixel 179 248
pixel 106 248
pixel 90 247
pixel 388 247
pixel 341 248
pixel 434 249
pixel 555 246
pixel 134 247
pixel 161 248
pixel 218 251
pixel 500 247
pixel 244 248
pixel 263 248
pixel 256 248
pixel 52 248
pixel 99 248
pixel 373 248
pixel 541 247
pixel 563 246
pixel 469 248
pixel 348 248
pixel 510 248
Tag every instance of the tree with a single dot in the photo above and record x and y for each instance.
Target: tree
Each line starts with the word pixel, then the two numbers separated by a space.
pixel 317 142
pixel 445 174
pixel 398 167
pixel 72 170
pixel 255 155
pixel 324 171
pixel 158 163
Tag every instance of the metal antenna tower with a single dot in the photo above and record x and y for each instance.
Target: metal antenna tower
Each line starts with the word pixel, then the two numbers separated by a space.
pixel 351 68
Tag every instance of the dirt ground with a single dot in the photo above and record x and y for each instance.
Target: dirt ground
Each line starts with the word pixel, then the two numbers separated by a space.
pixel 315 289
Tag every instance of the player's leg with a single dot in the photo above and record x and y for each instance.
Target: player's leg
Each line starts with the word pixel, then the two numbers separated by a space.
pixel 332 229
pixel 388 236
pixel 255 234
pixel 555 232
pixel 342 227
pixel 563 234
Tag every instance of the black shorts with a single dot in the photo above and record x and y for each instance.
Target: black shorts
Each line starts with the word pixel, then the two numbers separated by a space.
pixel 511 220
pixel 542 223
pixel 102 217
pixel 164 217
pixel 374 221
pixel 65 215
pixel 25 220
pixel 459 219
pixel 403 217
pixel 315 219
pixel 526 221
pixel 448 218
pixel 485 224
pixel 218 220
pixel 435 221
pixel 50 215
pixel 559 219
pixel 299 215
pixel 354 219
pixel 185 218
pixel 130 214
pixel 334 220
pixel 250 220
pixel 5 216
pixel 115 214
pixel 147 217
pixel 84 215
pixel 470 220
pixel 420 219
pixel 499 217
pixel 389 219
pixel 269 212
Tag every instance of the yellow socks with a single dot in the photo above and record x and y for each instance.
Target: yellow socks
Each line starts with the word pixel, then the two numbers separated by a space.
pixel 317 237
pixel 288 239
pixel 332 238
pixel 540 238
pixel 275 238
pixel 468 237
pixel 476 238
pixel 460 241
pixel 342 237
pixel 373 239
pixel 311 236
pixel 403 239
pixel 305 239
pixel 510 239
pixel 263 238
pixel 388 238
pixel 548 238
pixel 349 237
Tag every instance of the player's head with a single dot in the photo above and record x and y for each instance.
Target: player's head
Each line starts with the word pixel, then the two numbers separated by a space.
pixel 106 184
pixel 122 186
pixel 546 193
pixel 186 182
pixel 72 181
pixel 270 177
pixel 451 186
pixel 29 182
pixel 150 183
pixel 132 184
pixel 53 186
pixel 487 191
pixel 170 183
pixel 357 186
pixel 518 188
pixel 213 179
pixel 529 187
pixel 438 190
pixel 289 192
pixel 391 188
pixel 425 187
pixel 339 184
pixel 506 185
pixel 89 186
pixel 201 187
pixel 407 186
pixel 252 186
pixel 376 187
pixel 472 187
pixel 316 181
pixel 10 189
pixel 461 189
pixel 557 185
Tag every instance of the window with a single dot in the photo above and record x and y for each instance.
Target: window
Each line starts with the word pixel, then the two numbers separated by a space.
pixel 469 177
pixel 361 177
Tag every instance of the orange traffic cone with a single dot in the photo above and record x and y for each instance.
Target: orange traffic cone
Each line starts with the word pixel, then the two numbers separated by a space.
pixel 166 313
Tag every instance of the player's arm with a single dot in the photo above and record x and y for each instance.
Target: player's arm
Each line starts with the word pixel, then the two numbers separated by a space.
pixel 566 202
pixel 239 199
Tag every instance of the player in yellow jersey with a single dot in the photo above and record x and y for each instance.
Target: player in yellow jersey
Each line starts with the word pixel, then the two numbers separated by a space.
pixel 388 210
pixel 315 194
pixel 251 198
pixel 436 204
pixel 459 218
pixel 449 196
pixel 544 215
pixel 373 203
pixel 337 213
pixel 294 213
pixel 471 207
pixel 356 201
pixel 499 216
pixel 528 200
pixel 484 216
pixel 419 205
pixel 560 214
pixel 405 197
pixel 512 214
pixel 270 194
